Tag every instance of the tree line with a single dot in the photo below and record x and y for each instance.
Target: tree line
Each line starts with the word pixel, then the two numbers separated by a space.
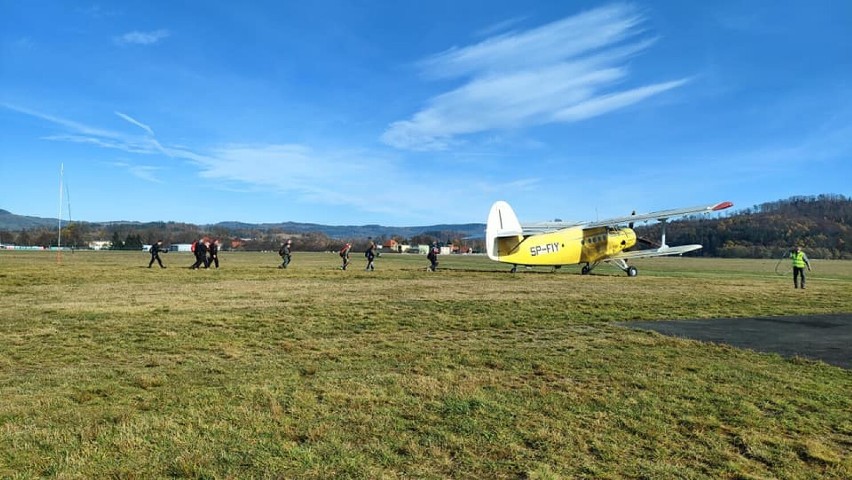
pixel 135 236
pixel 821 224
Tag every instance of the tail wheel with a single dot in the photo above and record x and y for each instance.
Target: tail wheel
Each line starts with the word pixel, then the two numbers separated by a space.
pixel 586 270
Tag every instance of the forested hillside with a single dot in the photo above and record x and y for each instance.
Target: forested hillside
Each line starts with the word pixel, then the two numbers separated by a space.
pixel 822 225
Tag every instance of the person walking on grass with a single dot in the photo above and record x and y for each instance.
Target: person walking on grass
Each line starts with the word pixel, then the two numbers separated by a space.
pixel 155 253
pixel 213 253
pixel 370 253
pixel 800 261
pixel 344 255
pixel 200 255
pixel 286 253
pixel 433 256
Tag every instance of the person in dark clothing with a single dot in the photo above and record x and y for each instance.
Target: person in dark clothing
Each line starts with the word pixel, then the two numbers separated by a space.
pixel 433 256
pixel 344 254
pixel 155 253
pixel 200 255
pixel 370 253
pixel 286 253
pixel 213 253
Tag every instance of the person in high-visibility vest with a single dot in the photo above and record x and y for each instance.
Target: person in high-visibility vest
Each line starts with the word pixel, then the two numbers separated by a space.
pixel 800 261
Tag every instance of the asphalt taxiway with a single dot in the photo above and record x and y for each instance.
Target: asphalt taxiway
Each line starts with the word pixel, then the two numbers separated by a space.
pixel 818 337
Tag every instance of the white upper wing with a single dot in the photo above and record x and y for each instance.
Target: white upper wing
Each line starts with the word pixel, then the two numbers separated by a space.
pixel 661 215
pixel 545 227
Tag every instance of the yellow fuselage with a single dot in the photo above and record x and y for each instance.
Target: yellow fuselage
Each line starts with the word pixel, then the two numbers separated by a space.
pixel 565 247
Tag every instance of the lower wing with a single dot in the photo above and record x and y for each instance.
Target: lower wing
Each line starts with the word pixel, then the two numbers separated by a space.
pixel 657 252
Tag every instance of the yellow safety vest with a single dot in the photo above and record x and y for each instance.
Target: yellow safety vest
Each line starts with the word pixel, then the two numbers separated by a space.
pixel 798 259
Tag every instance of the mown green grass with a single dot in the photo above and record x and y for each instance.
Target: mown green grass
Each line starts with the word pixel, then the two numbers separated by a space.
pixel 109 369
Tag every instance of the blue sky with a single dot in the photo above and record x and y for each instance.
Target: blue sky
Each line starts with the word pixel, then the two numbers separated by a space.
pixel 417 113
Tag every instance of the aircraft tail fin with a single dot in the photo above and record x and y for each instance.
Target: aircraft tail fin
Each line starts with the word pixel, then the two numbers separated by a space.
pixel 502 223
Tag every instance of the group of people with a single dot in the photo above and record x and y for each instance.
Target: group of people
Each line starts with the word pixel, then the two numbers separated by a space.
pixel 370 254
pixel 345 255
pixel 206 253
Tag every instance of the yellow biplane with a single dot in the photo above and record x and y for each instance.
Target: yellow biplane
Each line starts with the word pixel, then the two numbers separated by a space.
pixel 556 244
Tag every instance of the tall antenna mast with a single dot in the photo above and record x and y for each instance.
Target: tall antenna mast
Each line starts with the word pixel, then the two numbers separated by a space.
pixel 68 204
pixel 59 238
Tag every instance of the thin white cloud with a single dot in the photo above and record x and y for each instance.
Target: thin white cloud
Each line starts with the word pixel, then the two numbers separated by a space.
pixel 546 45
pixel 519 185
pixel 141 146
pixel 499 27
pixel 332 177
pixel 96 11
pixel 81 133
pixel 68 124
pixel 344 178
pixel 328 177
pixel 144 172
pixel 564 71
pixel 608 103
pixel 136 122
pixel 142 38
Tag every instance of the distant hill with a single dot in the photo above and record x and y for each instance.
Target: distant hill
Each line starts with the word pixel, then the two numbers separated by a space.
pixel 352 231
pixel 184 232
pixel 11 223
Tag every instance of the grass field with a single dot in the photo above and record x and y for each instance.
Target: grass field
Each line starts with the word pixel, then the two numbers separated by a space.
pixel 110 369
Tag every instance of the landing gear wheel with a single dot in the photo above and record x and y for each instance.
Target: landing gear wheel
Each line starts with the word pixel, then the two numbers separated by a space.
pixel 632 272
pixel 586 270
pixel 514 269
